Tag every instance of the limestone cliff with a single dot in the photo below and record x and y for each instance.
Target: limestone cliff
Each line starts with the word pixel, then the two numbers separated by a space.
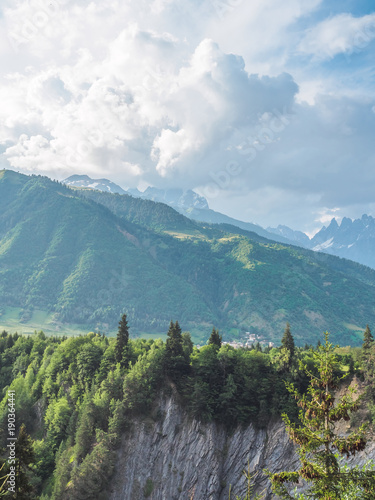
pixel 174 457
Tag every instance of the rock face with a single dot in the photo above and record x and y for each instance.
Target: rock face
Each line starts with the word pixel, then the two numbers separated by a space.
pixel 84 181
pixel 174 457
pixel 352 239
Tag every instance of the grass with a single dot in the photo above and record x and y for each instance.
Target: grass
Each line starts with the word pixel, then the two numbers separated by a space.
pixel 10 321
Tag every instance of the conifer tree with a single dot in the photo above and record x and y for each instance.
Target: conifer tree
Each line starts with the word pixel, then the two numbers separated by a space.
pixel 215 338
pixel 368 361
pixel 287 341
pixel 287 350
pixel 174 346
pixel 24 453
pixel 122 341
pixel 368 339
pixel 175 361
pixel 319 444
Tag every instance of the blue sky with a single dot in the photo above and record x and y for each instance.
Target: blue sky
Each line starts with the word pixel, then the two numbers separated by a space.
pixel 267 108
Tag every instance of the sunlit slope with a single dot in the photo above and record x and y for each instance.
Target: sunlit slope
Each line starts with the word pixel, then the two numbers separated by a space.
pixel 87 263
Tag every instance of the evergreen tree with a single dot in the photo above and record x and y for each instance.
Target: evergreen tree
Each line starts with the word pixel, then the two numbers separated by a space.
pixel 287 350
pixel 287 342
pixel 215 338
pixel 318 443
pixel 368 339
pixel 24 453
pixel 368 361
pixel 174 345
pixel 122 341
pixel 175 362
pixel 187 344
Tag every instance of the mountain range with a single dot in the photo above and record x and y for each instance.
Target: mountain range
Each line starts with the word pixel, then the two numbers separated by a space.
pixel 79 258
pixel 186 202
pixel 352 239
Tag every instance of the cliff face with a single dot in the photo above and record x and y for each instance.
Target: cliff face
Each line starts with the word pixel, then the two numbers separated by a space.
pixel 174 457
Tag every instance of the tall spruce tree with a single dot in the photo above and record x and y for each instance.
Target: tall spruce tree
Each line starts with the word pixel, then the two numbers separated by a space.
pixel 175 361
pixel 287 349
pixel 368 339
pixel 24 459
pixel 319 444
pixel 368 361
pixel 122 341
pixel 215 338
pixel 287 341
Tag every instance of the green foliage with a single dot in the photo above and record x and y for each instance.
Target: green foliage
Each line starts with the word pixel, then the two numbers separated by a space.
pixel 215 338
pixel 76 400
pixel 148 487
pixel 82 267
pixel 141 382
pixel 122 341
pixel 287 341
pixel 249 488
pixel 57 418
pixel 368 339
pixel 24 459
pixel 317 440
pixel 176 363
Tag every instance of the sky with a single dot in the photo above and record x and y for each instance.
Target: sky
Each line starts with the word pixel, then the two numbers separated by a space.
pixel 266 108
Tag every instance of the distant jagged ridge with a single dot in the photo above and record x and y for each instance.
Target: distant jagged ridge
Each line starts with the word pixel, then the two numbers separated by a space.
pixel 351 239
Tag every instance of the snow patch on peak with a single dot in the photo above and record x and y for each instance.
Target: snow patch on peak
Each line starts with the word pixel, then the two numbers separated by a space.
pixel 323 246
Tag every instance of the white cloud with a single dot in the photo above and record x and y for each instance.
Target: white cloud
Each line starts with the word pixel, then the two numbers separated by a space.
pixel 157 93
pixel 342 34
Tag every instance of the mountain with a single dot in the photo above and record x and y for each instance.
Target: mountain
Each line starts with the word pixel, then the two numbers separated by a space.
pixel 296 237
pixel 80 258
pixel 352 239
pixel 187 202
pixel 213 217
pixel 176 198
pixel 84 181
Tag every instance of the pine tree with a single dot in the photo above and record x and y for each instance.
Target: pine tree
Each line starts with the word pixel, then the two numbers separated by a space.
pixel 368 361
pixel 215 338
pixel 319 445
pixel 122 341
pixel 175 362
pixel 287 349
pixel 368 339
pixel 287 342
pixel 174 345
pixel 24 453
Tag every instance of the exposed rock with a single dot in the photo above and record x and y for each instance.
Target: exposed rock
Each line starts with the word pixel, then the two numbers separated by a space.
pixel 180 458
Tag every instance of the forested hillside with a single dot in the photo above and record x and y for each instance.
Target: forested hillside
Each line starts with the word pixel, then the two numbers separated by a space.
pixel 79 263
pixel 77 396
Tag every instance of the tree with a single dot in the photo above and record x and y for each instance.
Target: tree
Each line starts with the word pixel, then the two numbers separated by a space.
pixel 88 361
pixel 174 345
pixel 287 341
pixel 319 445
pixel 215 338
pixel 187 344
pixel 176 363
pixel 287 350
pixel 122 341
pixel 24 458
pixel 368 339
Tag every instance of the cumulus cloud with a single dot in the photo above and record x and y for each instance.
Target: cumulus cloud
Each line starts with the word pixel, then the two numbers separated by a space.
pixel 126 90
pixel 341 34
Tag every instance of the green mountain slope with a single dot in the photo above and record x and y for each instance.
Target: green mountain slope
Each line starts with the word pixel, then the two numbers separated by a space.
pixel 84 263
pixel 75 258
